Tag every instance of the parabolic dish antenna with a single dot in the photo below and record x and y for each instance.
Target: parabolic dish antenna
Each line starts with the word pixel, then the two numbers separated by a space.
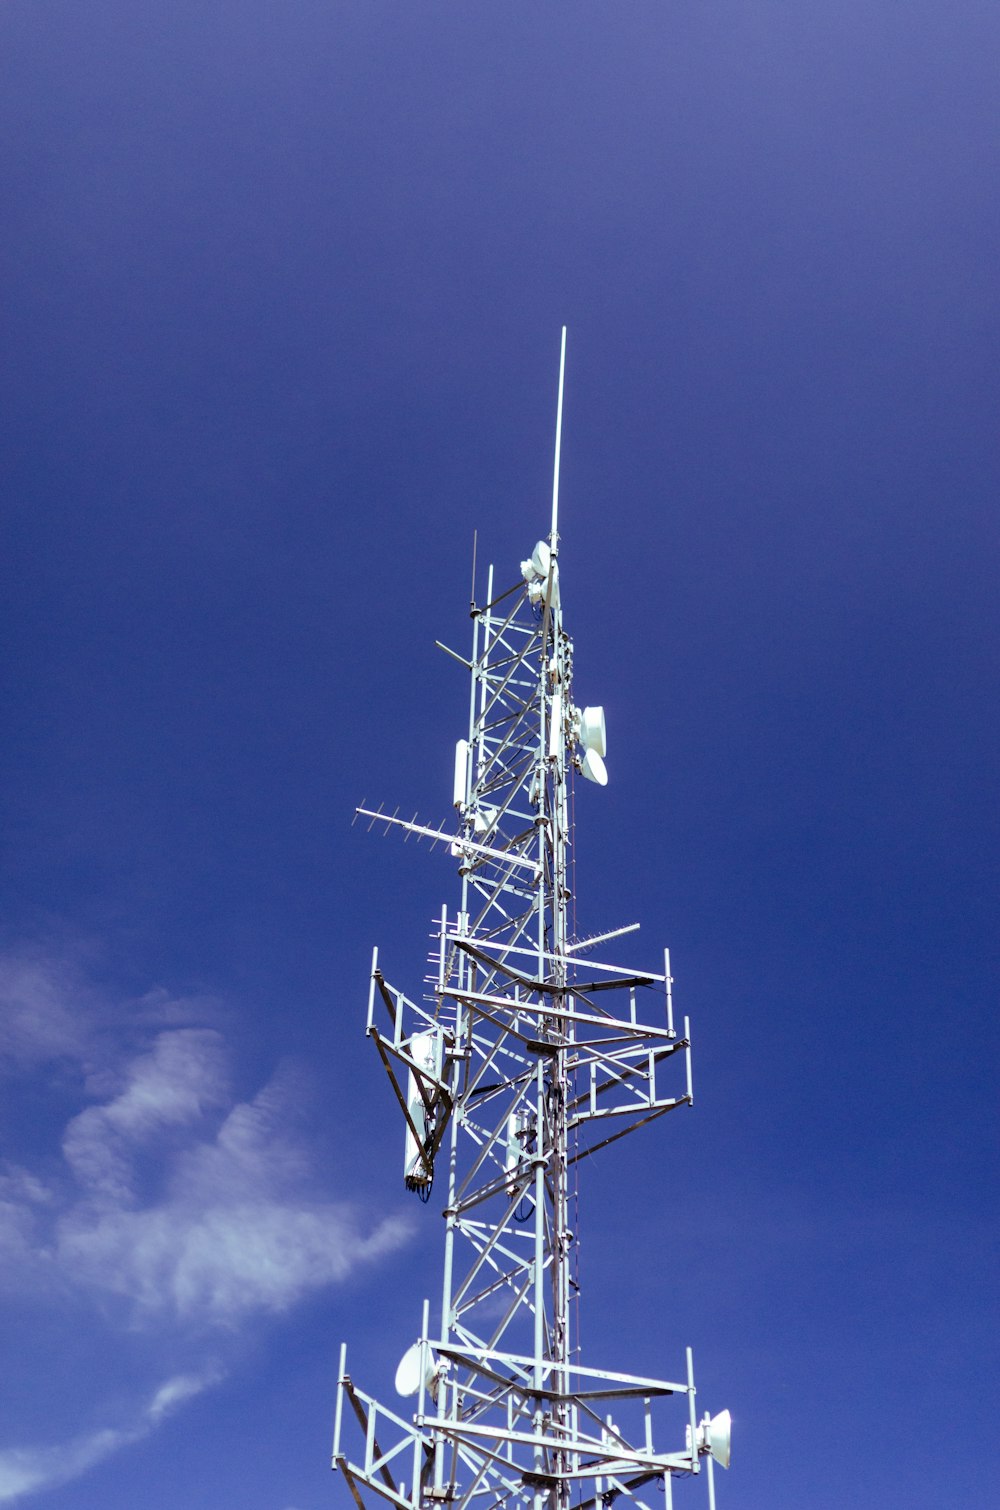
pixel 594 769
pixel 408 1372
pixel 593 731
pixel 719 1435
pixel 715 1437
pixel 540 558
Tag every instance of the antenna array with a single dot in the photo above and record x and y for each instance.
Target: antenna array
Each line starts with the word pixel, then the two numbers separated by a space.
pixel 525 1058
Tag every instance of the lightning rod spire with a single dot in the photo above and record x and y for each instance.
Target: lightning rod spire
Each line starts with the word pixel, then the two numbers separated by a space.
pixel 554 532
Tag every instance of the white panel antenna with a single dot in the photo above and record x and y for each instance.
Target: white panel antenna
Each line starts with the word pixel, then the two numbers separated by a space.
pixel 461 773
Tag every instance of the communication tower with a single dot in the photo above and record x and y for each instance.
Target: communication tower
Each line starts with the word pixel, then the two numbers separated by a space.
pixel 524 1057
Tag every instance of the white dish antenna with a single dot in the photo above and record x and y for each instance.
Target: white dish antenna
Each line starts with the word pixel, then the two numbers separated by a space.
pixel 715 1436
pixel 541 573
pixel 593 731
pixel 594 769
pixel 536 568
pixel 541 558
pixel 408 1378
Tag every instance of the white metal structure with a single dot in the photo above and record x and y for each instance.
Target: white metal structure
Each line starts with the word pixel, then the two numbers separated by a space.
pixel 524 1057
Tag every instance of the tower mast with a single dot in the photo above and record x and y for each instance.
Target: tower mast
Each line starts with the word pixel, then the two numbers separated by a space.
pixel 523 1057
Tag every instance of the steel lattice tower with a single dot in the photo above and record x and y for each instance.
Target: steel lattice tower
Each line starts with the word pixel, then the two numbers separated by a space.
pixel 525 1057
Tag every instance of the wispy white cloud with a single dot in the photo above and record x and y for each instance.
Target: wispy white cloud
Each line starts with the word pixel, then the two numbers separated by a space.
pixel 181 1202
pixel 166 1206
pixel 27 1470
pixel 238 1227
pixel 167 1090
pixel 40 1018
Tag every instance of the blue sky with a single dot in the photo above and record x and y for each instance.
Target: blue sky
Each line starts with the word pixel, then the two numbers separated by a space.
pixel 281 296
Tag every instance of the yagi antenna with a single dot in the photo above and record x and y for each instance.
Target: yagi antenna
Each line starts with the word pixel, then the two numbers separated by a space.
pixel 554 533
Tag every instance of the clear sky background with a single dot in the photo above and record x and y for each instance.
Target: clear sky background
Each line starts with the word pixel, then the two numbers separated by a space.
pixel 281 291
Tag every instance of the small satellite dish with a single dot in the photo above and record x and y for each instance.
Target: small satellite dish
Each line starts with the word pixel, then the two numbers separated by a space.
pixel 594 768
pixel 593 731
pixel 541 556
pixel 719 1433
pixel 408 1372
pixel 714 1437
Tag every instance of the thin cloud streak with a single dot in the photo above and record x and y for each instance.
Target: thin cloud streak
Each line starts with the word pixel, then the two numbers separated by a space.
pixel 28 1470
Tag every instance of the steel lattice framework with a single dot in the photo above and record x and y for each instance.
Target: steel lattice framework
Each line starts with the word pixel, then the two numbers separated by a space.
pixel 524 1057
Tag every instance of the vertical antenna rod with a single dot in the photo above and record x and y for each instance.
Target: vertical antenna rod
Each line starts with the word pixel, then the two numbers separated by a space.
pixel 554 532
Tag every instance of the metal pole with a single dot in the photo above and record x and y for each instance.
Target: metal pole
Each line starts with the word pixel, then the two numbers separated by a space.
pixel 692 1420
pixel 554 534
pixel 339 1407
